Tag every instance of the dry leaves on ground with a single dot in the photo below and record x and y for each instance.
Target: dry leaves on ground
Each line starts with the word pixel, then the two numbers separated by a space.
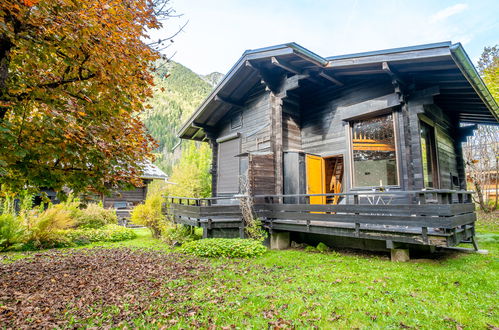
pixel 43 291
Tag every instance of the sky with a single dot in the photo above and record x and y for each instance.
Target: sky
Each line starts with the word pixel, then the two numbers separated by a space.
pixel 219 31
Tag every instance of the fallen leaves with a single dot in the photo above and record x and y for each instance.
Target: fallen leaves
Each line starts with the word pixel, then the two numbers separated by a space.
pixel 39 292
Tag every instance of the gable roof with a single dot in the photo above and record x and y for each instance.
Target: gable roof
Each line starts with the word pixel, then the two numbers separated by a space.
pixel 151 171
pixel 444 64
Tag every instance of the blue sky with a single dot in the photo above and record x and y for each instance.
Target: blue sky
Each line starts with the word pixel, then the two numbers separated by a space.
pixel 220 30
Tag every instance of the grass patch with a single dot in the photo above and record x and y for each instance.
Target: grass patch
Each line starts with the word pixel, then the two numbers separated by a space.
pixel 293 288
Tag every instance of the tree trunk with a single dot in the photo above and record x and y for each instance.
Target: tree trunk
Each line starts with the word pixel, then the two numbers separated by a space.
pixel 497 182
pixel 479 193
pixel 5 48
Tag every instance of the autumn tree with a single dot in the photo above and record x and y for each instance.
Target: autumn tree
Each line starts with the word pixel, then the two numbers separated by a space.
pixel 74 75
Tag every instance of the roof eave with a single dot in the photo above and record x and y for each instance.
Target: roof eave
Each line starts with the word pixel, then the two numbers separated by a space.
pixel 469 71
pixel 252 54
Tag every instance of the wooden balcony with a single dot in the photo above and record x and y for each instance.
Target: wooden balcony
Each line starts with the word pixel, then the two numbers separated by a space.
pixel 433 217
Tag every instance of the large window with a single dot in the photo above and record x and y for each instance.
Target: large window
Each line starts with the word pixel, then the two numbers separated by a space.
pixel 374 152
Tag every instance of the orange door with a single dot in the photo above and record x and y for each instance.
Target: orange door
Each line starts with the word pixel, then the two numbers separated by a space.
pixel 315 179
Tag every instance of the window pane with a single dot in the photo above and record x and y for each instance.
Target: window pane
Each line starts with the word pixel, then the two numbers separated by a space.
pixel 374 158
pixel 427 154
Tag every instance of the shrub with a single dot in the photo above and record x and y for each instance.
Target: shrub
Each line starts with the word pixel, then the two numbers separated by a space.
pixel 321 247
pixel 11 232
pixel 108 233
pixel 173 234
pixel 96 216
pixel 224 247
pixel 43 228
pixel 149 215
pixel 310 248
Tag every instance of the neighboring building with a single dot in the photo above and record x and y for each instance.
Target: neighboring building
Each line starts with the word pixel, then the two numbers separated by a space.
pixel 125 200
pixel 368 135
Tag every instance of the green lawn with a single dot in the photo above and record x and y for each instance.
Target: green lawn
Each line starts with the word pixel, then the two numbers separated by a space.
pixel 293 288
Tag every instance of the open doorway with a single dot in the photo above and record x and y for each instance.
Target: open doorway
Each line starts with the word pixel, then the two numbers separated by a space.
pixel 324 176
pixel 333 167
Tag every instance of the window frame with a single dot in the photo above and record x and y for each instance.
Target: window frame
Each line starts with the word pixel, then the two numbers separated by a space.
pixel 351 166
pixel 436 161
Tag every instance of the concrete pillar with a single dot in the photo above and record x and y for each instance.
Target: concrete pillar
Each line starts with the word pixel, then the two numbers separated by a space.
pixel 401 255
pixel 279 240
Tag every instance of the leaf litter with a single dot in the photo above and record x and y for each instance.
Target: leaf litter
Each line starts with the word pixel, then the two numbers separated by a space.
pixel 65 288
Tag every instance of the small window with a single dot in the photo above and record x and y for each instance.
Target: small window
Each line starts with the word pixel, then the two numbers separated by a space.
pixel 374 152
pixel 236 120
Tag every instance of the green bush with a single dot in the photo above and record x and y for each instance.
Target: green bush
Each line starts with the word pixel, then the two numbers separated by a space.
pixel 149 215
pixel 108 233
pixel 95 216
pixel 12 232
pixel 173 234
pixel 224 247
pixel 43 228
pixel 310 248
pixel 321 247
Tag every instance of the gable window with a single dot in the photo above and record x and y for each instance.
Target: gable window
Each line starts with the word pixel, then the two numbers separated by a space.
pixel 374 152
pixel 236 121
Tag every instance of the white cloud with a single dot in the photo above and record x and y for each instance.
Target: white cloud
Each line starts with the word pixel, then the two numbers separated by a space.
pixel 447 12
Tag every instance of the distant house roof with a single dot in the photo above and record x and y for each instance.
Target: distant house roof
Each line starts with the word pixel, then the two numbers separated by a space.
pixel 151 171
pixel 446 65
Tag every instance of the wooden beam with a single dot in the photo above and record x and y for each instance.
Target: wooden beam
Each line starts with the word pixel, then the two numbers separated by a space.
pixel 229 102
pixel 398 84
pixel 200 130
pixel 265 77
pixel 250 65
pixel 391 71
pixel 427 92
pixel 286 66
pixel 330 78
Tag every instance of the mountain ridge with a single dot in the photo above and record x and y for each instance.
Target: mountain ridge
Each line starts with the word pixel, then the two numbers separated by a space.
pixel 177 93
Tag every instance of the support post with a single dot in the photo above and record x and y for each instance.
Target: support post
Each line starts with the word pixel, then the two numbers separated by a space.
pixel 279 240
pixel 399 255
pixel 214 162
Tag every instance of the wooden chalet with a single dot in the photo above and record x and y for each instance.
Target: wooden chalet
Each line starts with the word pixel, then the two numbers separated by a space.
pixel 124 200
pixel 361 150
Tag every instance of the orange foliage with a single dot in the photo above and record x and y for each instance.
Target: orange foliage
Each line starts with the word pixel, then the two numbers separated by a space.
pixel 73 76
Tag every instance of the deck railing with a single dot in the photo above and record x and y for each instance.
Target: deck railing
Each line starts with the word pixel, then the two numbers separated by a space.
pixel 431 215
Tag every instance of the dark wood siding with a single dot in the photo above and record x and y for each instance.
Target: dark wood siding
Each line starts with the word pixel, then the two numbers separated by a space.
pixel 132 197
pixel 291 127
pixel 323 130
pixel 255 127
pixel 446 146
pixel 261 174
pixel 254 132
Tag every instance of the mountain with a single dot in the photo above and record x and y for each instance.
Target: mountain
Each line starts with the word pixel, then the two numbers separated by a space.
pixel 177 93
pixel 213 78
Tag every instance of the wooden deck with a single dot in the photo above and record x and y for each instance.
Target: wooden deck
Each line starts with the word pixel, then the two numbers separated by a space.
pixel 434 218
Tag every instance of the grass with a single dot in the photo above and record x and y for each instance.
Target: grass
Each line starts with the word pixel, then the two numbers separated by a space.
pixel 294 288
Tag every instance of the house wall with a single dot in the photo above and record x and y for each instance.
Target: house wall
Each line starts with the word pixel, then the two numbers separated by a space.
pixel 446 146
pixel 291 130
pixel 319 124
pixel 132 197
pixel 255 127
pixel 254 133
pixel 323 127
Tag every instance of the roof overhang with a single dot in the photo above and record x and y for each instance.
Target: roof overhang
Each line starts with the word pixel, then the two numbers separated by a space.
pixel 440 64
